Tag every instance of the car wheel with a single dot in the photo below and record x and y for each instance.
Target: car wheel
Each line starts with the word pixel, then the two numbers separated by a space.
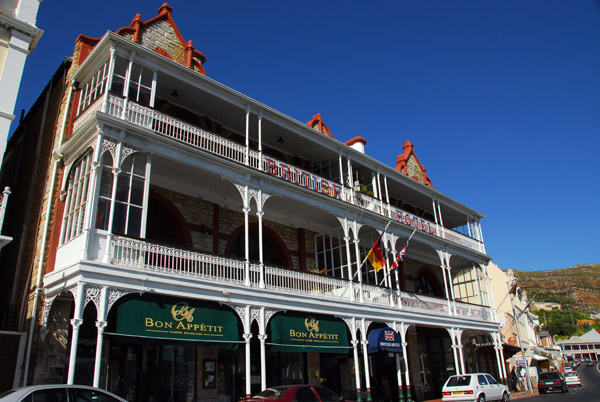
pixel 481 398
pixel 505 397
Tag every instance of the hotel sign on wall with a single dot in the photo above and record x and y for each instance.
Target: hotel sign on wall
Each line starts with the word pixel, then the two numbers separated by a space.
pixel 308 180
pixel 177 319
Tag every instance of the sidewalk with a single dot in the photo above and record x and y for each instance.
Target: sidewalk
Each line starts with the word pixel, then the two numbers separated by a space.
pixel 513 395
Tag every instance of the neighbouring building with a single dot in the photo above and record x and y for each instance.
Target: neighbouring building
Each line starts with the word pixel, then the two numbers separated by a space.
pixel 18 38
pixel 584 347
pixel 189 243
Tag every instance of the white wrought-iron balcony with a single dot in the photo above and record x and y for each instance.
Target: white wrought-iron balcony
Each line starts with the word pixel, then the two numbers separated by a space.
pixel 149 257
pixel 206 141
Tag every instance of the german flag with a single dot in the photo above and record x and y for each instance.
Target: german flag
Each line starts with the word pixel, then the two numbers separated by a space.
pixel 376 255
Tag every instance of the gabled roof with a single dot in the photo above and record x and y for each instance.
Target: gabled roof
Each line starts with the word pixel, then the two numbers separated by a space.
pixel 408 164
pixel 159 34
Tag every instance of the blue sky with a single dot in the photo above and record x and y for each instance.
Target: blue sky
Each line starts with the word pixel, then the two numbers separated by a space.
pixel 500 98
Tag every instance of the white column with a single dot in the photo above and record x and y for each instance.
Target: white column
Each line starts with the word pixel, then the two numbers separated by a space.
pixel 403 330
pixel 247 136
pixel 497 347
pixel 260 116
pixel 442 255
pixel 100 324
pixel 454 352
pixel 260 200
pixel 76 323
pixel 349 259
pixel 146 196
pixel 341 170
pixel 356 365
pixel 247 369
pixel 111 71
pixel 364 343
pixel 246 237
pixel 116 170
pixel 93 191
pixel 153 90
pixel 126 86
pixel 461 356
pixel 451 285
pixel 358 268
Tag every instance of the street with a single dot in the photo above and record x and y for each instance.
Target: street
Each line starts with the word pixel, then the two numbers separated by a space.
pixel 588 392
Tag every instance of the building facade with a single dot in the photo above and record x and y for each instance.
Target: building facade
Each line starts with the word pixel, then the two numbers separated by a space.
pixel 584 347
pixel 197 245
pixel 18 38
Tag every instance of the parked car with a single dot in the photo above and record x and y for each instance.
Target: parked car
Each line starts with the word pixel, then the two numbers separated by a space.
pixel 295 393
pixel 568 369
pixel 478 387
pixel 59 393
pixel 551 381
pixel 572 378
pixel 590 364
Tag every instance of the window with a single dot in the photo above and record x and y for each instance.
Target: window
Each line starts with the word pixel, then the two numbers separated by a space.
pixel 305 394
pixel 119 75
pixel 140 85
pixel 490 379
pixel 93 89
pixel 47 395
pixel 106 185
pixel 92 395
pixel 76 198
pixel 129 195
pixel 481 380
pixel 326 395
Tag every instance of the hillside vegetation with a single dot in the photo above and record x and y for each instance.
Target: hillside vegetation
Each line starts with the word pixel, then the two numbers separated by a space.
pixel 576 288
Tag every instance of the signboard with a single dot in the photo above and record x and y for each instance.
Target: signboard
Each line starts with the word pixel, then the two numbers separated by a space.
pixel 520 361
pixel 512 340
pixel 186 320
pixel 294 332
pixel 384 339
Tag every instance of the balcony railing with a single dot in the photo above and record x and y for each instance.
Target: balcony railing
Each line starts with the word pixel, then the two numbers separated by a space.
pixel 222 147
pixel 149 257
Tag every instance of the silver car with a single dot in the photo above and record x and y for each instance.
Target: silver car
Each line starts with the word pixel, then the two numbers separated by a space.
pixel 479 387
pixel 59 393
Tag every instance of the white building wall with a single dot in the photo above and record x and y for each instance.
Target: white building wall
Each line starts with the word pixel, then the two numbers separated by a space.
pixel 18 37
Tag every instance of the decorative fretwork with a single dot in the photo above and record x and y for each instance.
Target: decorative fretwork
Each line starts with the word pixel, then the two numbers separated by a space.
pixel 92 293
pixel 110 146
pixel 115 294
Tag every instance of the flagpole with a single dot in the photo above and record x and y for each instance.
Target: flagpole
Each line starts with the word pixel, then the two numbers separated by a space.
pixel 405 245
pixel 365 260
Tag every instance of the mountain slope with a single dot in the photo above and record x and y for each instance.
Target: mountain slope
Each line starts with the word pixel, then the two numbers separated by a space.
pixel 576 288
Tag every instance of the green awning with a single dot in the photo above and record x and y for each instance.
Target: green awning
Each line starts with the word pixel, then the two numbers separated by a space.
pixel 297 332
pixel 168 319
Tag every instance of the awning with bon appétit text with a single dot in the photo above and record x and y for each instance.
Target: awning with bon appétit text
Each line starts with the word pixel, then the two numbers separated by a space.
pixel 298 332
pixel 168 319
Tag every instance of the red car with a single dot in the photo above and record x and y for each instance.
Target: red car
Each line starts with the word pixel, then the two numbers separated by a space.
pixel 295 393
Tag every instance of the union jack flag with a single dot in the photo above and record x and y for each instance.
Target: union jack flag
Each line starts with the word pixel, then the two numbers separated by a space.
pixel 402 252
pixel 388 335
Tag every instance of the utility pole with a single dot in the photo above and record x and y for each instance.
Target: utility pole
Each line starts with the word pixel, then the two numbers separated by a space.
pixel 516 319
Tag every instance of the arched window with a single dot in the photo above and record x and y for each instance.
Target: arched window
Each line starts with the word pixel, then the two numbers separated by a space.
pixel 76 199
pixel 428 284
pixel 274 251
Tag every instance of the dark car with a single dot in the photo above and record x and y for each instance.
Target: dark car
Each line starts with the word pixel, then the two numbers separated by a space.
pixel 295 393
pixel 551 381
pixel 590 364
